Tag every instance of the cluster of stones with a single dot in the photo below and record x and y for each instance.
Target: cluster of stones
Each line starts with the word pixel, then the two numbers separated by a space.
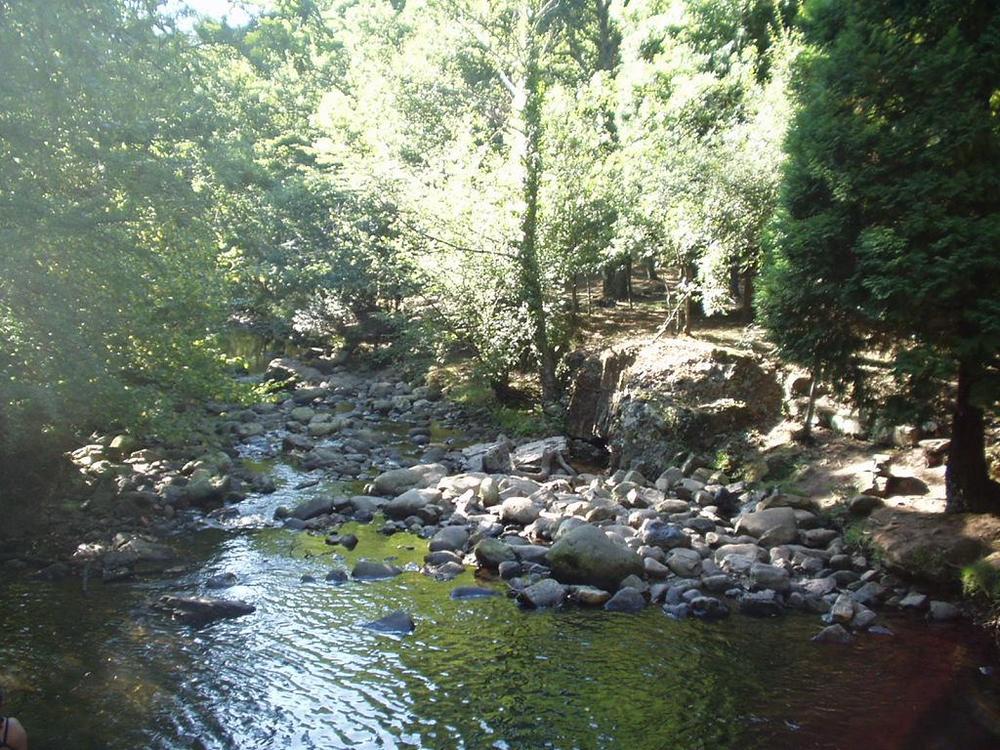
pixel 335 428
pixel 331 426
pixel 690 541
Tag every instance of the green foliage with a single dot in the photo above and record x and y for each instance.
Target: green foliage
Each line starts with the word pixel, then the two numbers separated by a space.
pixel 108 295
pixel 887 232
pixel 857 537
pixel 704 117
pixel 982 581
pixel 427 179
pixel 523 423
pixel 890 214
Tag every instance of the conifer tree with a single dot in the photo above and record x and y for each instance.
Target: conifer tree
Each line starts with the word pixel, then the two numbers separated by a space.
pixel 889 233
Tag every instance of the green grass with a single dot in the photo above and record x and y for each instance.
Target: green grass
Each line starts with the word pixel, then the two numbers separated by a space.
pixel 463 387
pixel 523 422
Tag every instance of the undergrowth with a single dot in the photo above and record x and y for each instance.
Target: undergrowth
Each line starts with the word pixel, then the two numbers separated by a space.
pixel 981 586
pixel 857 537
pixel 464 387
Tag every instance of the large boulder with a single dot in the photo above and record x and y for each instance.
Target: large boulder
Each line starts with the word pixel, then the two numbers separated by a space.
pixel 772 526
pixel 673 396
pixel 410 503
pixel 586 555
pixel 398 481
pixel 932 546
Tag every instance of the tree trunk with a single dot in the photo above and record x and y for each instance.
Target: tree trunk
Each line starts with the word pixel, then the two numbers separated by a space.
pixel 967 482
pixel 747 295
pixel 811 409
pixel 650 264
pixel 575 302
pixel 687 300
pixel 614 283
pixel 527 255
pixel 628 281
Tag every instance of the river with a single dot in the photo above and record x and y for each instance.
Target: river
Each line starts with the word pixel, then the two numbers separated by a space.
pixel 98 669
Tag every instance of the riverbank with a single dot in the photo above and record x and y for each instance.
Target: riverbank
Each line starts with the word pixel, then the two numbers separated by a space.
pixel 689 540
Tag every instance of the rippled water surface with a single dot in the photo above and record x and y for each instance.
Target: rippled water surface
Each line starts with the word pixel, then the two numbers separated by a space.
pixel 101 671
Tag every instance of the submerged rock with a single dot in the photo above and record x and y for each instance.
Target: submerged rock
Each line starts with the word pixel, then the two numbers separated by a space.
pixel 337 576
pixel 202 610
pixel 369 570
pixel 832 634
pixel 708 608
pixel 761 604
pixel 396 622
pixel 676 611
pixel 221 581
pixel 472 592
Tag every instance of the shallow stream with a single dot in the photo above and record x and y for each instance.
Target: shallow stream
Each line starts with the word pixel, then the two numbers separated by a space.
pixel 99 670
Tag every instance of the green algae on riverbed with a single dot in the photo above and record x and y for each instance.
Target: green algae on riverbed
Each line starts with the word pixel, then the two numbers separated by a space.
pixel 304 672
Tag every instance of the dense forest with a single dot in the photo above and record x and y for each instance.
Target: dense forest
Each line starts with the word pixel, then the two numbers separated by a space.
pixel 413 180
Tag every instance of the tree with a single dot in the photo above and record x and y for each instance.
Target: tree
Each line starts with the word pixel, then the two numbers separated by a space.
pixel 108 296
pixel 890 222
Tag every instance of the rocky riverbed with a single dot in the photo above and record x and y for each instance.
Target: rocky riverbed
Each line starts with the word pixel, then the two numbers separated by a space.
pixel 688 540
pixel 373 559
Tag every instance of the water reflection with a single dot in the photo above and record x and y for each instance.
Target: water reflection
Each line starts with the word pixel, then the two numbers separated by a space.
pixel 302 672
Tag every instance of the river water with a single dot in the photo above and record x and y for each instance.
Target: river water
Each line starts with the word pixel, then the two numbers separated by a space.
pixel 100 670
